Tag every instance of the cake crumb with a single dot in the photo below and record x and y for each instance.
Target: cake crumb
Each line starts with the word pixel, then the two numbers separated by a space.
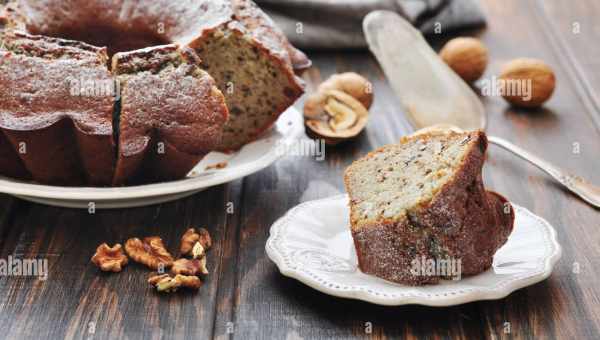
pixel 217 166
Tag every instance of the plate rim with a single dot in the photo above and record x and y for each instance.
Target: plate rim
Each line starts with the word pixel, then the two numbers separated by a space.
pixel 98 194
pixel 495 292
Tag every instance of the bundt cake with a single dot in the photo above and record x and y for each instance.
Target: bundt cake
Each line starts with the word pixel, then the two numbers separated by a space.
pixel 423 200
pixel 59 136
pixel 171 116
pixel 250 59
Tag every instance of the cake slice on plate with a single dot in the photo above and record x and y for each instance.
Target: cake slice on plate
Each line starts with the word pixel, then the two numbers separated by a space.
pixel 419 205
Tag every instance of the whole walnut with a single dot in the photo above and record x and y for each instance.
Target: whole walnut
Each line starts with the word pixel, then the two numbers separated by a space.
pixel 468 57
pixel 527 82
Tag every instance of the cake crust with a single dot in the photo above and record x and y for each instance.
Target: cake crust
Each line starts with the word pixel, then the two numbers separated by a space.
pixel 49 107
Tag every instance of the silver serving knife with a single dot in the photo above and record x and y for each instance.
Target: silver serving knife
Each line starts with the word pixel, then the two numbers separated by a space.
pixel 433 95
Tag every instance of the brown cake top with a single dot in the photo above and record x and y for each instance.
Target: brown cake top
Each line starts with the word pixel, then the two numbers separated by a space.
pixel 129 25
pixel 165 94
pixel 47 79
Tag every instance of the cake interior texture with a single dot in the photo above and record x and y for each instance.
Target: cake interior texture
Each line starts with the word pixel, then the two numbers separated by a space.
pixel 255 89
pixel 423 200
pixel 397 178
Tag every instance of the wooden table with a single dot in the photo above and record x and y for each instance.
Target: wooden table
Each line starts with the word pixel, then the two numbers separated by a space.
pixel 245 297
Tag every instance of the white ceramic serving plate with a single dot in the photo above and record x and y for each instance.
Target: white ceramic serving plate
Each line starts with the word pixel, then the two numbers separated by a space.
pixel 250 159
pixel 312 243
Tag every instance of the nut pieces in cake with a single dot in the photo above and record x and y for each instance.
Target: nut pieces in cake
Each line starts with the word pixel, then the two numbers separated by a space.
pixel 340 118
pixel 110 259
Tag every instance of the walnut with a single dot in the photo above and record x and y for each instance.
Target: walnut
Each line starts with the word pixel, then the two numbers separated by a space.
pixel 151 252
pixel 198 250
pixel 190 237
pixel 110 259
pixel 350 83
pixel 527 82
pixel 154 279
pixel 167 283
pixel 203 268
pixel 343 119
pixel 466 56
pixel 189 267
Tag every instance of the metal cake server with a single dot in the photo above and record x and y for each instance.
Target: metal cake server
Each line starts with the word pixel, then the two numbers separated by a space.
pixel 433 95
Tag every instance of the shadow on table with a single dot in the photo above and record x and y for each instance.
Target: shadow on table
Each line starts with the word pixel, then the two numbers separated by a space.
pixel 522 309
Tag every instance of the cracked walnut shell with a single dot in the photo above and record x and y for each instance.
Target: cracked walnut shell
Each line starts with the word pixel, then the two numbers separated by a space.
pixel 109 259
pixel 151 252
pixel 345 117
pixel 350 83
pixel 167 283
pixel 191 237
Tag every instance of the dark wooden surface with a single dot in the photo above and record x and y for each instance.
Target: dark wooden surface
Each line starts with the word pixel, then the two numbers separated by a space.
pixel 245 297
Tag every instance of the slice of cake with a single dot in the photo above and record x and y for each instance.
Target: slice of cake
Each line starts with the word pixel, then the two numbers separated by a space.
pixel 253 68
pixel 170 116
pixel 420 205
pixel 56 108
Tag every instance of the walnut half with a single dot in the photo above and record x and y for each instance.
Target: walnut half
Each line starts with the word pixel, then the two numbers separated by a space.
pixel 166 283
pixel 191 237
pixel 110 259
pixel 190 267
pixel 151 252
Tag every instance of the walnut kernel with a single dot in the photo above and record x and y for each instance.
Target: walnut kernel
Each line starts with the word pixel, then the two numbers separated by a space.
pixel 166 283
pixel 187 267
pixel 151 252
pixel 110 259
pixel 344 118
pixel 190 237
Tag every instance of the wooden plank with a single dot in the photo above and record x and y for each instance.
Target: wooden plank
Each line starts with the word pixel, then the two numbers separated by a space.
pixel 571 30
pixel 282 308
pixel 77 300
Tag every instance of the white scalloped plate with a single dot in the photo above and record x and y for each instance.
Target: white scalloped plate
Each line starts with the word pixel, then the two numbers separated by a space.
pixel 312 243
pixel 250 159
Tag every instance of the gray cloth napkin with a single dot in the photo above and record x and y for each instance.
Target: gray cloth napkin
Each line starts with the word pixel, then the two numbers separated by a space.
pixel 335 24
